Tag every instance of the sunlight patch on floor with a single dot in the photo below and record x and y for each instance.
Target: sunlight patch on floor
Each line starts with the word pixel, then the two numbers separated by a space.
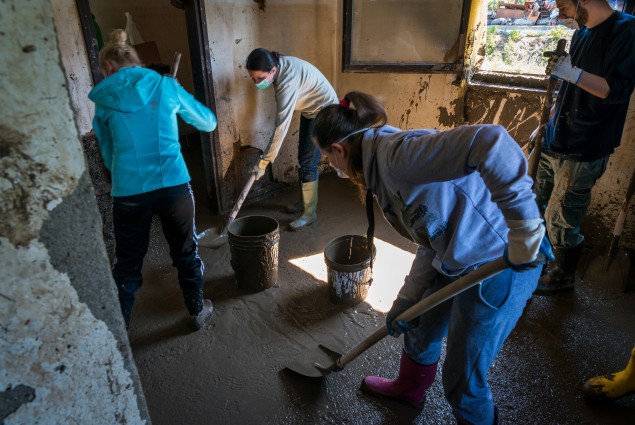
pixel 391 266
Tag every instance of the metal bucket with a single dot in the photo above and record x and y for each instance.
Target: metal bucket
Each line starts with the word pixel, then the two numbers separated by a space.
pixel 348 268
pixel 253 244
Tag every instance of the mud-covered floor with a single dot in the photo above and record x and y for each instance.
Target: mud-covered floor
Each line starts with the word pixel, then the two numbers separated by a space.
pixel 232 371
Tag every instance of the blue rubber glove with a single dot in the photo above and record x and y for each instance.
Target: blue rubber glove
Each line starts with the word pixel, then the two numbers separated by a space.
pixel 545 255
pixel 398 327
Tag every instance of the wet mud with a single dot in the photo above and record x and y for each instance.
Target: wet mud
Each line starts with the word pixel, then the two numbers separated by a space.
pixel 233 370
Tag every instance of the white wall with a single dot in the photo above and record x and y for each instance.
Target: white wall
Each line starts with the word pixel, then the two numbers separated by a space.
pixel 51 343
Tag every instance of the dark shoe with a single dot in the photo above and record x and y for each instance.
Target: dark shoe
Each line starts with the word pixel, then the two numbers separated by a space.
pixel 410 386
pixel 199 320
pixel 556 280
pixel 559 275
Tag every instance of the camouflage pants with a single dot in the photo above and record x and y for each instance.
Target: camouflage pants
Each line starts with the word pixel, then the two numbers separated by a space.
pixel 563 193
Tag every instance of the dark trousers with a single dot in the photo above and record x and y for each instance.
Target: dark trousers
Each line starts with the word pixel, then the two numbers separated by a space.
pixel 132 219
pixel 308 154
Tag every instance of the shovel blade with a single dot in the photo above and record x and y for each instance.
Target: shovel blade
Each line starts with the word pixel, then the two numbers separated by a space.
pixel 212 238
pixel 606 270
pixel 315 363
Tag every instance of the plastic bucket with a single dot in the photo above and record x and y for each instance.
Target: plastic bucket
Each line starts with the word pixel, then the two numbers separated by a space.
pixel 348 268
pixel 253 244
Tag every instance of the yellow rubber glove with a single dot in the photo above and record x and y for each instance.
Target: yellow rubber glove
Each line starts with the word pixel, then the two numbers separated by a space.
pixel 260 167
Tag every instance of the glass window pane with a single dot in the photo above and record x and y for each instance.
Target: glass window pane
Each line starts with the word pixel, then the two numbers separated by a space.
pixel 406 31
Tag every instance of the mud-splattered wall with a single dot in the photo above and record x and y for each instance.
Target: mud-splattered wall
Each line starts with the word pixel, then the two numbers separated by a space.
pixel 65 355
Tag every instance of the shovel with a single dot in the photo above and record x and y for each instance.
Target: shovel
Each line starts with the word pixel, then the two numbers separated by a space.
pixel 213 238
pixel 322 361
pixel 539 134
pixel 599 268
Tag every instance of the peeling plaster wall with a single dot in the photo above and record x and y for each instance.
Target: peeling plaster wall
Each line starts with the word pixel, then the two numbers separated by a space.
pixel 75 61
pixel 61 361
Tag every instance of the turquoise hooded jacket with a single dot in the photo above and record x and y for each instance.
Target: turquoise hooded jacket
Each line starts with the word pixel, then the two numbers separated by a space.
pixel 136 127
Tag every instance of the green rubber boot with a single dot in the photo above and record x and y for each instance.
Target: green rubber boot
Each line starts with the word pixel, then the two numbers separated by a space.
pixel 309 202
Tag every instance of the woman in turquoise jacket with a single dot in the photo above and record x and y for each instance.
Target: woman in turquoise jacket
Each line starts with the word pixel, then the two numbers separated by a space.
pixel 464 197
pixel 136 127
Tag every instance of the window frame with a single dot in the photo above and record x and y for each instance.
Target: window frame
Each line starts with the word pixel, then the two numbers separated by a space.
pixel 420 68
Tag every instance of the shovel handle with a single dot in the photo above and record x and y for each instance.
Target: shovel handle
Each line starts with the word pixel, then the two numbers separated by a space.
pixel 176 60
pixel 534 159
pixel 619 223
pixel 453 289
pixel 241 197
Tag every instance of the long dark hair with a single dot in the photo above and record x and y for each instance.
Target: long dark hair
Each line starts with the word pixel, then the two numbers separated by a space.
pixel 356 111
pixel 261 59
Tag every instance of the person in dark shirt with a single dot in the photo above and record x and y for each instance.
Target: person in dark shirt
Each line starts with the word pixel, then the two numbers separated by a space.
pixel 585 128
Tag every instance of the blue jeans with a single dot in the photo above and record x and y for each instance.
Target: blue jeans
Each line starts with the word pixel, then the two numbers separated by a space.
pixel 308 154
pixel 476 323
pixel 563 193
pixel 132 219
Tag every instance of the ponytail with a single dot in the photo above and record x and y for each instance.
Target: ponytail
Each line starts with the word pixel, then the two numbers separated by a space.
pixel 354 112
pixel 119 51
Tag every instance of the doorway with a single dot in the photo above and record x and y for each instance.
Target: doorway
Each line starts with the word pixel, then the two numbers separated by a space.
pixel 161 30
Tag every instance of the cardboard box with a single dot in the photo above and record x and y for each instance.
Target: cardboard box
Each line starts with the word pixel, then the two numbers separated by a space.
pixel 148 53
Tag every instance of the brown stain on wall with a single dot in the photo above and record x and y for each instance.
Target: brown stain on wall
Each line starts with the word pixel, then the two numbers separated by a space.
pixel 454 117
pixel 417 97
pixel 519 113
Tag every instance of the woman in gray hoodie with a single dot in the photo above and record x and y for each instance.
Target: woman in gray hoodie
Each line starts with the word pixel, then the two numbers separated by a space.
pixel 299 86
pixel 464 197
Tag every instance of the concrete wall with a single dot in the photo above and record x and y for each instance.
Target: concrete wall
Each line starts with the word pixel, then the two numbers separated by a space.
pixel 65 354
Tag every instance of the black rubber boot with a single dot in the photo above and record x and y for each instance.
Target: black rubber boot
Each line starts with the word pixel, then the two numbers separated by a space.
pixel 559 275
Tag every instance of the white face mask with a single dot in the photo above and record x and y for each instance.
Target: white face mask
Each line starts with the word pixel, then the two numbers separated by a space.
pixel 341 174
pixel 571 23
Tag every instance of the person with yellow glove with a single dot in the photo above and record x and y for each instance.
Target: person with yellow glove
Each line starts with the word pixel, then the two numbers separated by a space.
pixel 612 386
pixel 299 86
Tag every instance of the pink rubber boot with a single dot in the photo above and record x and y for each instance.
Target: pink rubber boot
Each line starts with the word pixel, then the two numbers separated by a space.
pixel 410 386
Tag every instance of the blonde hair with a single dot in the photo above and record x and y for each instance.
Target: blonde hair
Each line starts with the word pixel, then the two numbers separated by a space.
pixel 119 51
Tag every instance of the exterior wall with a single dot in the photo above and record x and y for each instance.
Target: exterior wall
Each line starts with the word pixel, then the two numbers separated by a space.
pixel 65 354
